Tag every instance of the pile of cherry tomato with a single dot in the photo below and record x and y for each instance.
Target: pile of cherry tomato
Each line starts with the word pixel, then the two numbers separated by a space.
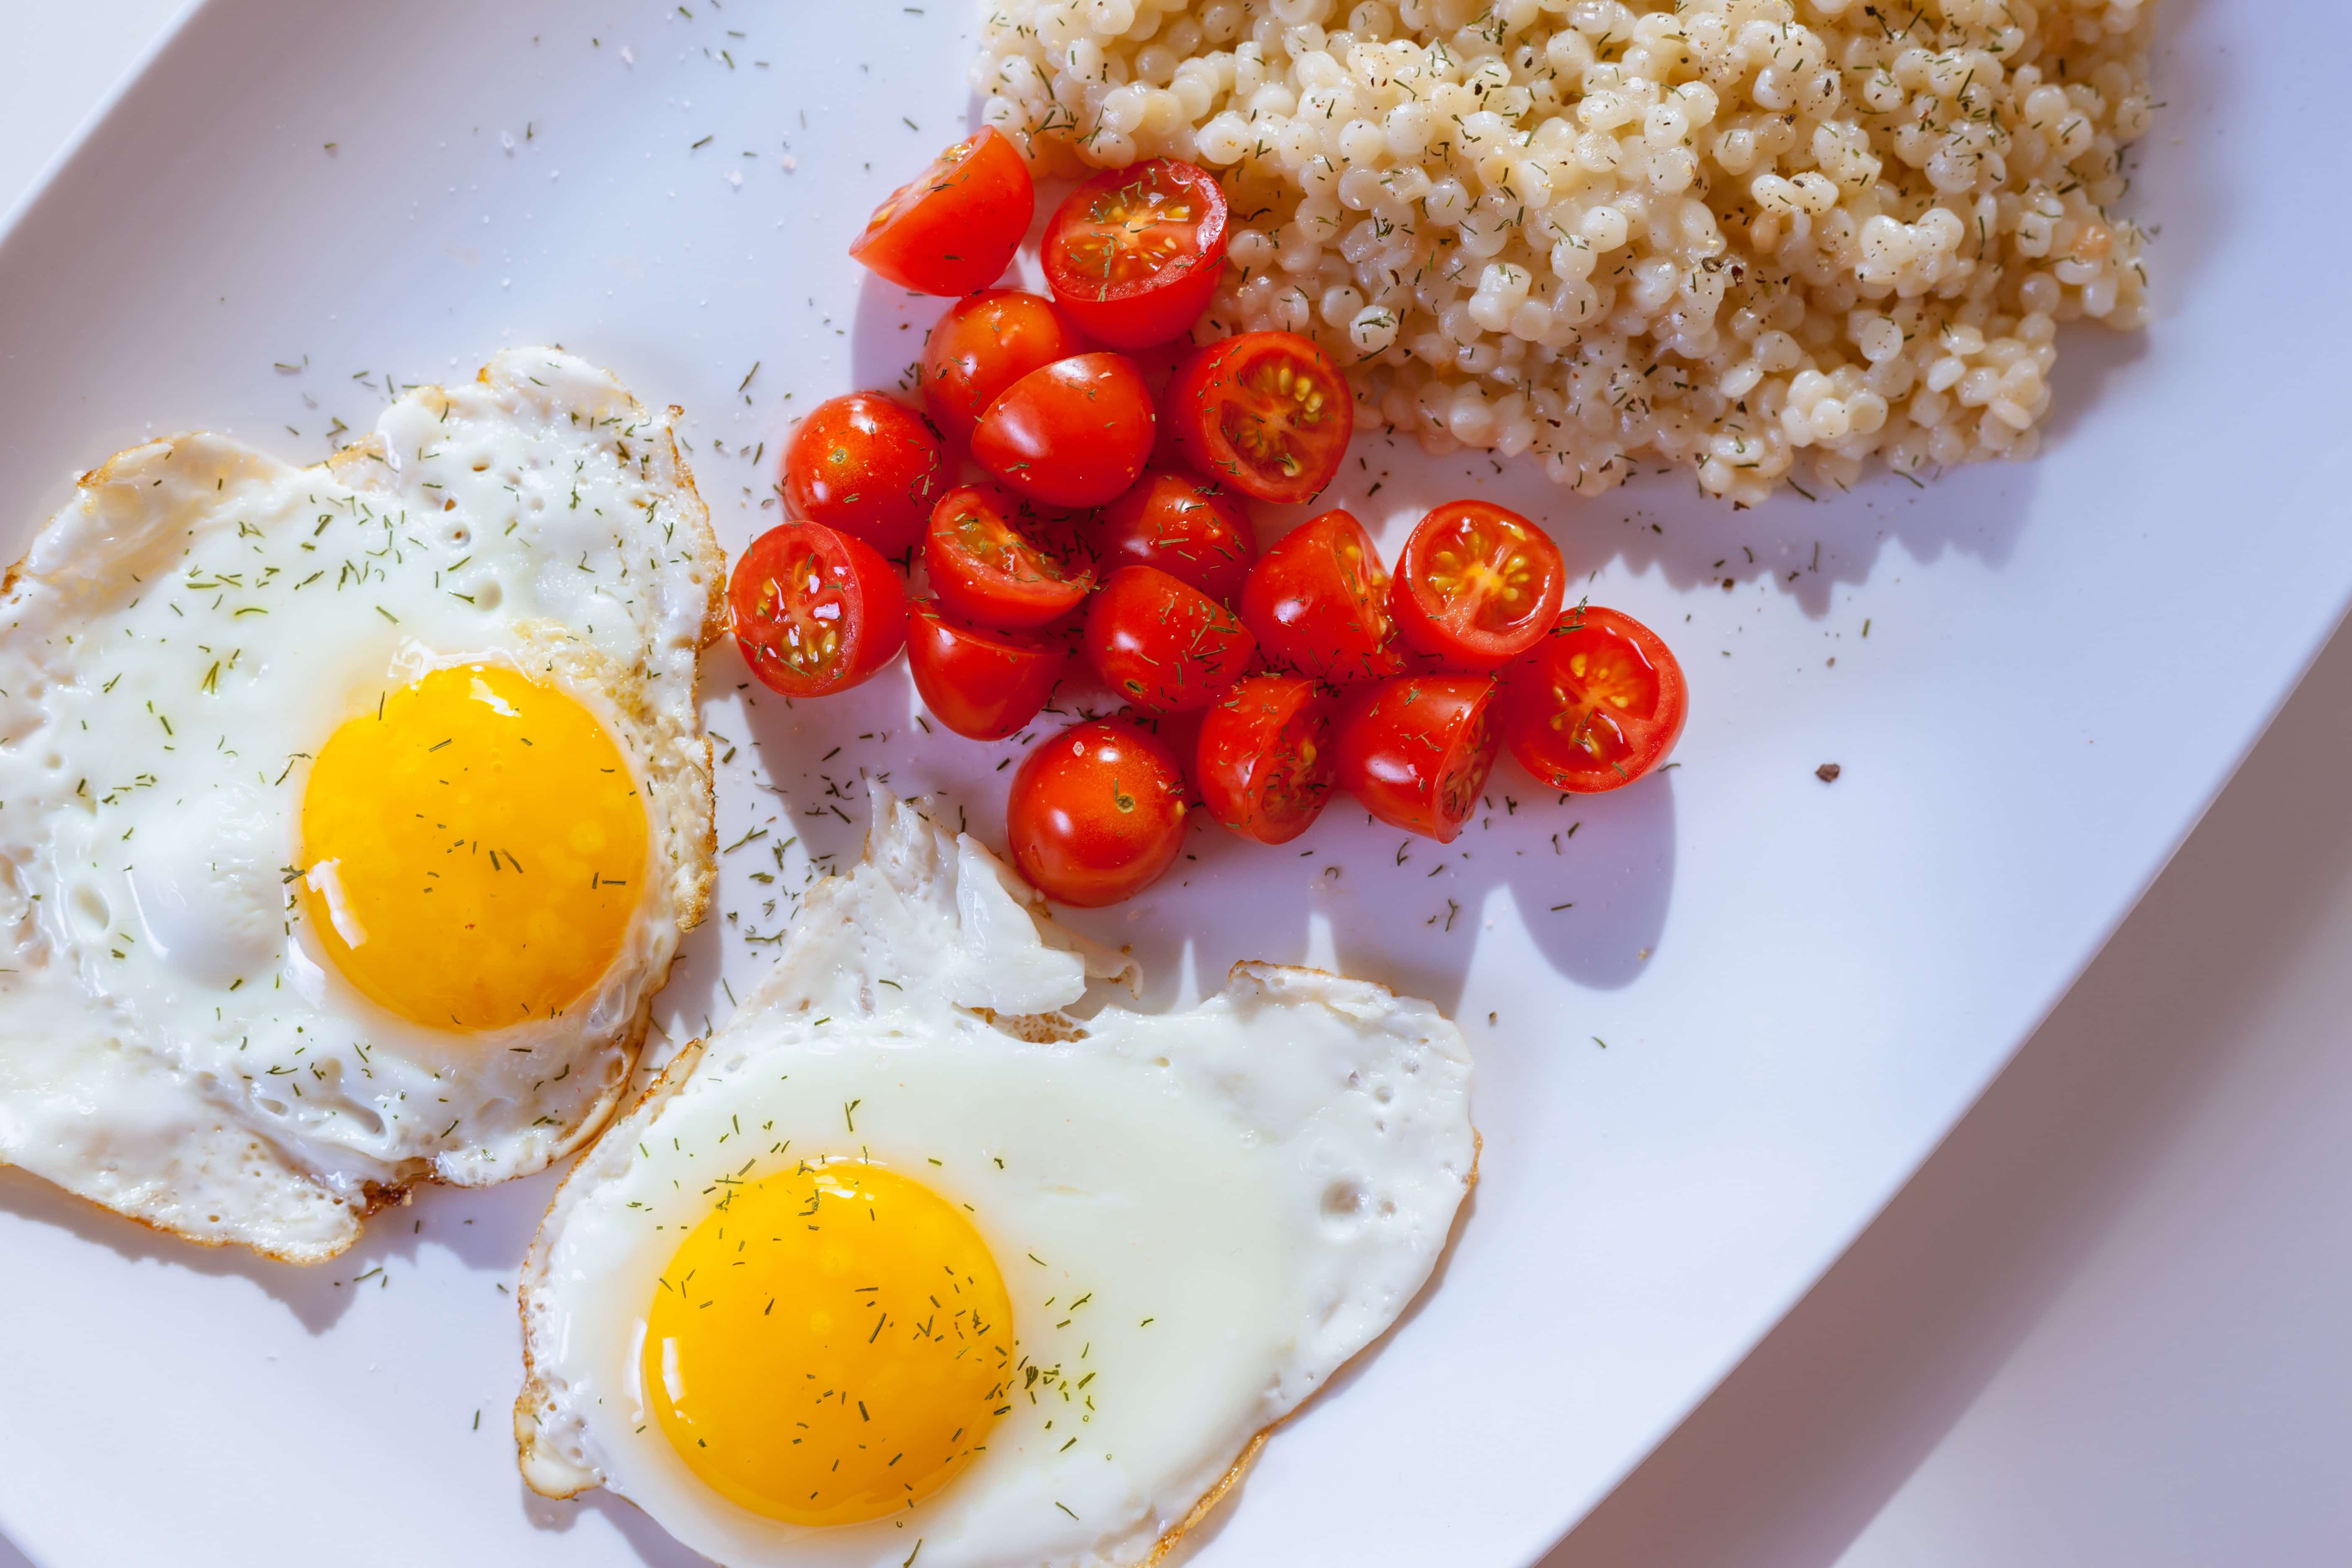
pixel 1110 535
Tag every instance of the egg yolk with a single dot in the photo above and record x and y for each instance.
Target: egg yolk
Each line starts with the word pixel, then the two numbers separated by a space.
pixel 473 849
pixel 830 1344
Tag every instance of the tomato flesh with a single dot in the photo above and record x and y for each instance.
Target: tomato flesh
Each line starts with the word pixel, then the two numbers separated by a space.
pixel 1597 703
pixel 1189 528
pixel 1097 813
pixel 980 682
pixel 866 466
pixel 1415 750
pixel 815 610
pixel 997 561
pixel 1476 585
pixel 1134 254
pixel 983 345
pixel 1318 602
pixel 1267 756
pixel 1163 644
pixel 1265 413
pixel 1076 433
pixel 953 227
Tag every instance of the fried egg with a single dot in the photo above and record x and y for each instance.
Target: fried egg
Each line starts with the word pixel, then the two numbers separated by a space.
pixel 349 814
pixel 936 1253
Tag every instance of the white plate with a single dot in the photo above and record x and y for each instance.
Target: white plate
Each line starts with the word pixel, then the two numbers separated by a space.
pixel 1801 986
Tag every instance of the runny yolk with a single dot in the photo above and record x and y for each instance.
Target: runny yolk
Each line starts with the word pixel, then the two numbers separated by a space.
pixel 831 1345
pixel 473 849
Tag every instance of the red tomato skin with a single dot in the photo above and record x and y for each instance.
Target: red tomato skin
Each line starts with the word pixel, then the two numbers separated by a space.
pixel 1188 527
pixel 1224 371
pixel 873 627
pixel 1402 739
pixel 866 466
pixel 954 227
pixel 1527 706
pixel 984 344
pixel 981 683
pixel 1237 734
pixel 1076 433
pixel 1065 823
pixel 1160 309
pixel 1420 611
pixel 980 594
pixel 1162 644
pixel 1318 601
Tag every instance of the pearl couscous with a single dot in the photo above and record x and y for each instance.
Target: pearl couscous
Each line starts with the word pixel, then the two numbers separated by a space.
pixel 1744 234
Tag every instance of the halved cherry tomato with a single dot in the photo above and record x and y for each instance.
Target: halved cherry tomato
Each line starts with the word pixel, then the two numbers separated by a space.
pixel 976 681
pixel 1416 749
pixel 814 609
pixel 983 345
pixel 1134 253
pixel 1266 413
pixel 953 227
pixel 999 561
pixel 1599 702
pixel 1163 644
pixel 866 466
pixel 1188 527
pixel 1097 813
pixel 1268 757
pixel 1318 602
pixel 1476 585
pixel 1076 433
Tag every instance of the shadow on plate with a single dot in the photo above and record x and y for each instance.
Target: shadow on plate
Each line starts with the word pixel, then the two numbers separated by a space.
pixel 487 1228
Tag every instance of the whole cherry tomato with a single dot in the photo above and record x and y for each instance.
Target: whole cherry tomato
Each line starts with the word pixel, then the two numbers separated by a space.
pixel 1599 702
pixel 977 680
pixel 815 610
pixel 1134 254
pixel 1266 413
pixel 1318 602
pixel 1163 644
pixel 1476 585
pixel 983 345
pixel 866 466
pixel 1268 757
pixel 997 560
pixel 1188 527
pixel 1076 433
pixel 1415 750
pixel 953 227
pixel 1097 813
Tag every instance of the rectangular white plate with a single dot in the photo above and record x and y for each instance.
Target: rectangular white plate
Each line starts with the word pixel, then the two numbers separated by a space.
pixel 1800 986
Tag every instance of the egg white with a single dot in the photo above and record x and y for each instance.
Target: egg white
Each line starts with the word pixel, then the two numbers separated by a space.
pixel 182 638
pixel 1201 1214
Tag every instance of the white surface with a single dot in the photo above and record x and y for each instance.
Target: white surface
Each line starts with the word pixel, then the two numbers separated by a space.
pixel 1834 971
pixel 2104 1328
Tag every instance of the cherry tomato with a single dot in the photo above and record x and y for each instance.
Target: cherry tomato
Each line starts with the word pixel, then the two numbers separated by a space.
pixel 1076 433
pixel 1163 644
pixel 1265 413
pixel 953 227
pixel 983 345
pixel 1097 813
pixel 976 681
pixel 1416 749
pixel 815 610
pixel 996 560
pixel 1599 702
pixel 866 466
pixel 1476 585
pixel 1134 254
pixel 1188 527
pixel 1267 758
pixel 1318 602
